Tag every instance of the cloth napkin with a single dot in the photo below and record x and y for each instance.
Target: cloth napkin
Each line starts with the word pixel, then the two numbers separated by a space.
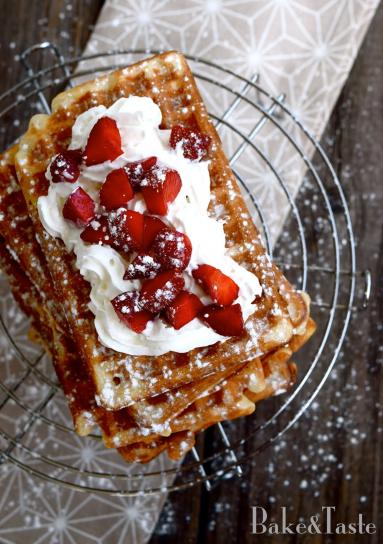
pixel 303 48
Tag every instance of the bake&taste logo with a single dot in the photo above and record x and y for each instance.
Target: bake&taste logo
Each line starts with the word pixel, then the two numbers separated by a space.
pixel 318 524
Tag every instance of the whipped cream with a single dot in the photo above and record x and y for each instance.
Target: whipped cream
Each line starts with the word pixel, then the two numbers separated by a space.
pixel 138 119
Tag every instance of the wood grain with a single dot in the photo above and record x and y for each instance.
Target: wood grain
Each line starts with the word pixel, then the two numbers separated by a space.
pixel 333 454
pixel 68 24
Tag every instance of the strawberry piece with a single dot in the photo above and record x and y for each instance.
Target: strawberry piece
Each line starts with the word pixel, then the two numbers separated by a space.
pixel 126 229
pixel 116 190
pixel 194 144
pixel 79 207
pixel 227 321
pixel 104 142
pixel 216 284
pixel 157 293
pixel 97 231
pixel 65 167
pixel 152 226
pixel 137 170
pixel 143 266
pixel 183 309
pixel 159 188
pixel 173 249
pixel 129 311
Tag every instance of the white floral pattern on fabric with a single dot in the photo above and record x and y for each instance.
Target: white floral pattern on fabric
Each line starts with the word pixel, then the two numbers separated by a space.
pixel 300 47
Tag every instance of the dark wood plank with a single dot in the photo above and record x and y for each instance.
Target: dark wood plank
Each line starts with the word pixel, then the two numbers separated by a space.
pixel 67 24
pixel 333 454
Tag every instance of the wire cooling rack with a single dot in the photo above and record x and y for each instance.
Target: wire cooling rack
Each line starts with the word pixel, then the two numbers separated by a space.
pixel 316 250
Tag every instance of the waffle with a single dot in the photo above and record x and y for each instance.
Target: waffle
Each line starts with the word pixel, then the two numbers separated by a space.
pixel 29 299
pixel 24 264
pixel 213 399
pixel 280 374
pixel 26 296
pixel 17 231
pixel 71 371
pixel 146 405
pixel 120 380
pixel 228 399
pixel 233 397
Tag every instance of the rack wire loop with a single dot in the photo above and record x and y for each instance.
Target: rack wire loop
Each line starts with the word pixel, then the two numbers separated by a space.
pixel 232 444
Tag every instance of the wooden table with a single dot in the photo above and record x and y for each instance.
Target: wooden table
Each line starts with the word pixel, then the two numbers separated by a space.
pixel 332 456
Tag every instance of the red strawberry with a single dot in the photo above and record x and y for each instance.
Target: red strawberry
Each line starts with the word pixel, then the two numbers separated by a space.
pixel 217 285
pixel 136 170
pixel 104 142
pixel 159 188
pixel 160 291
pixel 183 309
pixel 126 229
pixel 193 143
pixel 143 266
pixel 129 311
pixel 227 321
pixel 65 167
pixel 116 190
pixel 173 249
pixel 97 232
pixel 152 226
pixel 79 207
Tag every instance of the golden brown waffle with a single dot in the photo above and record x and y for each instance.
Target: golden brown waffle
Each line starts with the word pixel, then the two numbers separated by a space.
pixel 25 295
pixel 233 397
pixel 281 311
pixel 17 231
pixel 72 373
pixel 70 369
pixel 176 447
pixel 222 389
pixel 26 269
pixel 280 374
pixel 229 399
pixel 213 399
pixel 216 403
pixel 74 382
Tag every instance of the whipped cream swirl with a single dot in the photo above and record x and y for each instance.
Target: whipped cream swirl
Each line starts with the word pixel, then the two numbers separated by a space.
pixel 138 119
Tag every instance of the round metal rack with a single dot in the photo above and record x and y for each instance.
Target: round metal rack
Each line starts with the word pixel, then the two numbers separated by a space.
pixel 316 250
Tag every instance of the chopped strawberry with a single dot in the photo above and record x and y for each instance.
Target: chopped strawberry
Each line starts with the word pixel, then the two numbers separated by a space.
pixel 160 291
pixel 227 321
pixel 97 231
pixel 65 167
pixel 183 309
pixel 126 229
pixel 152 226
pixel 159 188
pixel 137 170
pixel 216 284
pixel 193 143
pixel 143 266
pixel 129 311
pixel 104 142
pixel 79 207
pixel 116 190
pixel 173 249
pixel 75 154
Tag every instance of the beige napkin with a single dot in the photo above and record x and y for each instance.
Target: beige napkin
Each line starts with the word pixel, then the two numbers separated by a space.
pixel 303 48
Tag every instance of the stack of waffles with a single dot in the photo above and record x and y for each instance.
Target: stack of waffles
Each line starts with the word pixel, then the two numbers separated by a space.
pixel 144 404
